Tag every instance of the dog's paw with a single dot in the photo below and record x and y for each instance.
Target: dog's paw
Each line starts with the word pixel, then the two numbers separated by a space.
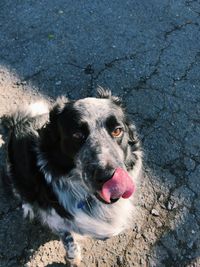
pixel 73 251
pixel 73 256
pixel 72 262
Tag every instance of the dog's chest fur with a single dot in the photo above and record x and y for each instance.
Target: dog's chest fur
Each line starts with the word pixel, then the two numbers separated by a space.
pixel 88 215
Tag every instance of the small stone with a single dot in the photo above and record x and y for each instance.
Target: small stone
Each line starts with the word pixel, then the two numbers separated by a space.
pixel 155 212
pixel 138 236
pixel 142 262
pixel 190 244
pixel 50 36
pixel 163 206
pixel 58 83
pixel 120 260
pixel 158 223
pixel 193 232
pixel 171 205
pixel 161 198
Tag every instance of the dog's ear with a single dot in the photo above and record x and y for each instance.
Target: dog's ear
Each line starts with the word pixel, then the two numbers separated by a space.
pixel 104 93
pixel 57 108
pixel 51 131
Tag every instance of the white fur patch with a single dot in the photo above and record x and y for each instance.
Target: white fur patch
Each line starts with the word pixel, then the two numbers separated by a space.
pixel 42 163
pixel 54 221
pixel 38 108
pixel 28 211
pixel 104 220
pixel 73 251
pixel 119 217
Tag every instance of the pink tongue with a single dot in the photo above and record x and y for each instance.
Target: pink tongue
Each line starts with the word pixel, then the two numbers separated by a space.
pixel 120 185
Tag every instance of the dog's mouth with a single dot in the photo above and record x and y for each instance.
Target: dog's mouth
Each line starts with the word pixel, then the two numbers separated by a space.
pixel 99 197
pixel 120 185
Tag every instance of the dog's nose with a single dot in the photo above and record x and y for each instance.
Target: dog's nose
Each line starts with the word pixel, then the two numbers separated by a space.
pixel 102 175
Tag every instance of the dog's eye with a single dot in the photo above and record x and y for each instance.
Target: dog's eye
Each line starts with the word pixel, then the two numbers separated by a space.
pixel 117 132
pixel 78 136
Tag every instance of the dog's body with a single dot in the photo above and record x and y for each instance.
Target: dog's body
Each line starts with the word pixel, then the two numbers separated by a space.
pixel 59 161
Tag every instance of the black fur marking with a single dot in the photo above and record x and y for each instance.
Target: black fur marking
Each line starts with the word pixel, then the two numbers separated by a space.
pixel 25 175
pixel 58 142
pixel 112 122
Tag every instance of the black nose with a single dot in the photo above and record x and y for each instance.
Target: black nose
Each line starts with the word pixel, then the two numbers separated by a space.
pixel 102 175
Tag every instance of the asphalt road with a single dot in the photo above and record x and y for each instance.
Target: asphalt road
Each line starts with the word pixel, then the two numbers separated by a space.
pixel 147 52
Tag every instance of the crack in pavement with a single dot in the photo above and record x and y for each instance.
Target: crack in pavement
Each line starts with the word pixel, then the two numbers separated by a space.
pixel 178 27
pixel 187 70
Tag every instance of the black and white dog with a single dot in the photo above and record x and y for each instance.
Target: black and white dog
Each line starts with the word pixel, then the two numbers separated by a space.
pixel 75 166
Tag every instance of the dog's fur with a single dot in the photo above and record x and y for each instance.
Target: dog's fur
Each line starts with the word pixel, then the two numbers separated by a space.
pixel 58 160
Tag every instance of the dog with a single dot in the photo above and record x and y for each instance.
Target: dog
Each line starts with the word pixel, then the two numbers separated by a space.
pixel 75 166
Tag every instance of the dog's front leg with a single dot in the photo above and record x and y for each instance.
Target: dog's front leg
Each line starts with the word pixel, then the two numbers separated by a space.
pixel 72 248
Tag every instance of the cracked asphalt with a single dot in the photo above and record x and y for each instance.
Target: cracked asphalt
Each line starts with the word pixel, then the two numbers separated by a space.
pixel 147 52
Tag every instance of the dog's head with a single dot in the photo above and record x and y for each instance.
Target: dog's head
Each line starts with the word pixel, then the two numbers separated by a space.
pixel 94 137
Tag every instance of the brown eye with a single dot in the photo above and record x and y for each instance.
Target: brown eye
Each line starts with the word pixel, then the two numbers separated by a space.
pixel 117 132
